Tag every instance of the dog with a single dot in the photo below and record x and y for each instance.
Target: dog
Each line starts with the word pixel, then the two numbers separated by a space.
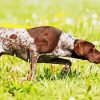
pixel 45 44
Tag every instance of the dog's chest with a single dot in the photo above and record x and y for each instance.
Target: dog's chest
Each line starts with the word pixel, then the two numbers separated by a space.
pixel 16 41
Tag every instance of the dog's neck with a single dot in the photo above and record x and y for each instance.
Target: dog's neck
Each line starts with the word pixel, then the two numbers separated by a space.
pixel 65 45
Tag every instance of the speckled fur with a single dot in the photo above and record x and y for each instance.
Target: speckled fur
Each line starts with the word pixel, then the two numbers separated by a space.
pixel 65 45
pixel 16 41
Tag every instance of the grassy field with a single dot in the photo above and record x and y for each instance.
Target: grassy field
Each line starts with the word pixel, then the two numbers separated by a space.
pixel 79 17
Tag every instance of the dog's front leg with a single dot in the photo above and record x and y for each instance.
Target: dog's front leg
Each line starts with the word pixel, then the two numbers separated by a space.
pixel 54 60
pixel 67 65
pixel 33 62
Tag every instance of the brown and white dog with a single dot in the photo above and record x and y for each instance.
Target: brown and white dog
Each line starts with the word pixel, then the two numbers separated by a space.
pixel 45 45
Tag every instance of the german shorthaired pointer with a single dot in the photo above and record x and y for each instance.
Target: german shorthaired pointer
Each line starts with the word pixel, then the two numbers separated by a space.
pixel 45 45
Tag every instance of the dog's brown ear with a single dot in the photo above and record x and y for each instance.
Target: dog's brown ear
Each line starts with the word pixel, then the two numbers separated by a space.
pixel 82 48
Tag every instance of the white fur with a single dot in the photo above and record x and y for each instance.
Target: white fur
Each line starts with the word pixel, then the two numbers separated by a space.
pixel 65 45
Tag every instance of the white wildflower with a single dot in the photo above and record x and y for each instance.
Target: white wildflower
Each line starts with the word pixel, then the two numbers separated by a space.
pixel 98 23
pixel 40 22
pixel 71 98
pixel 35 2
pixel 94 22
pixel 69 21
pixel 55 19
pixel 94 16
pixel 84 18
pixel 34 16
pixel 27 21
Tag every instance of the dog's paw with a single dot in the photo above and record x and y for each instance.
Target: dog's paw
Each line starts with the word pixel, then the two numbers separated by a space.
pixel 66 70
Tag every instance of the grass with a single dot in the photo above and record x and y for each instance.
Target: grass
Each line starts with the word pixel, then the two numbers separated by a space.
pixel 79 17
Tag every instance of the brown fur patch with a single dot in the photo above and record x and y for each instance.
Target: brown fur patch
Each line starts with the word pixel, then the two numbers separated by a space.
pixel 13 36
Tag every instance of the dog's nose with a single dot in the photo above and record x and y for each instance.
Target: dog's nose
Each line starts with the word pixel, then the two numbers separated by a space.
pixel 94 56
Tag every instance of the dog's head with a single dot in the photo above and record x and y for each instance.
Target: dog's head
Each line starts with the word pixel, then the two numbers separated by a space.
pixel 87 49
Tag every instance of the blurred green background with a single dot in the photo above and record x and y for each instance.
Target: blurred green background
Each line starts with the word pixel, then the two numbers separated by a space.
pixel 81 18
